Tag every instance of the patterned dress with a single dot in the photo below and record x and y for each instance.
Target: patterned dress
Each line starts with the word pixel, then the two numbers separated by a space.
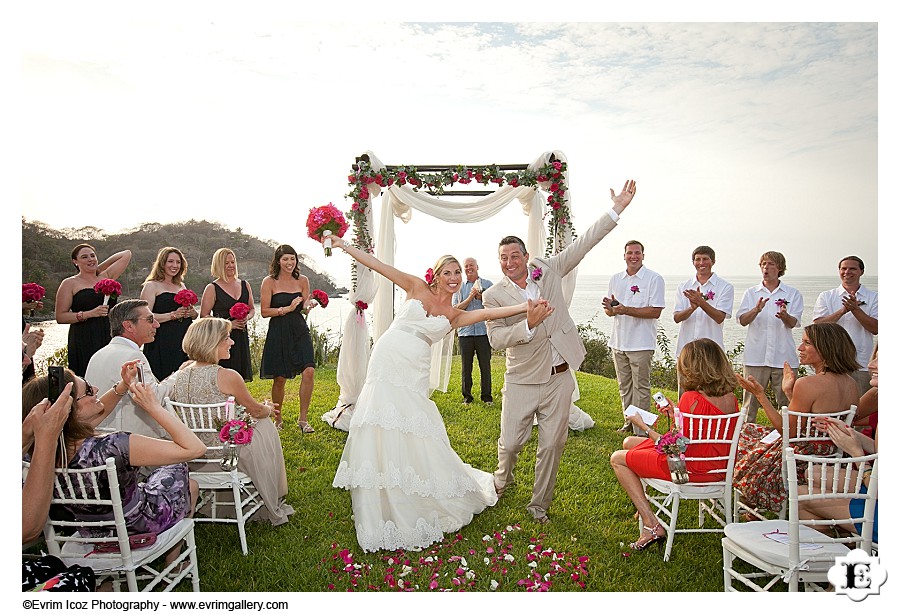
pixel 757 468
pixel 152 506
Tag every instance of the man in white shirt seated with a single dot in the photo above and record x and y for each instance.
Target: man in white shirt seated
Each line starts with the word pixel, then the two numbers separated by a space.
pixel 132 325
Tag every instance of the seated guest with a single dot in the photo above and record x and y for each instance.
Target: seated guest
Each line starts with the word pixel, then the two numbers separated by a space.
pixel 709 382
pixel 207 342
pixel 132 325
pixel 153 505
pixel 853 444
pixel 826 348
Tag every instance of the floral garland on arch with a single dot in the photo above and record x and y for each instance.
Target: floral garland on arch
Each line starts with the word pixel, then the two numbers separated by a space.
pixel 550 177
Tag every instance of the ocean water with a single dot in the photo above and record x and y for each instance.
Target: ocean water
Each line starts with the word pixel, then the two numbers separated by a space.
pixel 585 309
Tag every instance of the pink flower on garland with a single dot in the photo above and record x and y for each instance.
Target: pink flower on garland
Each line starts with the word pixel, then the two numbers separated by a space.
pixel 429 276
pixel 536 273
pixel 635 289
pixel 321 297
pixel 239 311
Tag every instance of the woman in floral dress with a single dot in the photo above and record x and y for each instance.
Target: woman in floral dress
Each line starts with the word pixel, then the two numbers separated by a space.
pixel 828 349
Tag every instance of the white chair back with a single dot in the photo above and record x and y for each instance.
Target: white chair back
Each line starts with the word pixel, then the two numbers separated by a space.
pixel 722 430
pixel 74 539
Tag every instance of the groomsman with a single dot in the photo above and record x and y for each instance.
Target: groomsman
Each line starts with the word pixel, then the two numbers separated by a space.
pixel 854 307
pixel 702 304
pixel 770 311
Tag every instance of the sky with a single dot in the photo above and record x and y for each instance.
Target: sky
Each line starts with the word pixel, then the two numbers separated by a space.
pixel 748 132
pixel 747 137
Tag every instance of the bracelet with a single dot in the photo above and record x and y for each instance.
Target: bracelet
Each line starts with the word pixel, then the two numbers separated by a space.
pixel 115 389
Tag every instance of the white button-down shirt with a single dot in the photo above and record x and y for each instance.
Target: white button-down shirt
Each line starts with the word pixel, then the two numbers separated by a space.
pixel 832 300
pixel 769 342
pixel 631 334
pixel 699 325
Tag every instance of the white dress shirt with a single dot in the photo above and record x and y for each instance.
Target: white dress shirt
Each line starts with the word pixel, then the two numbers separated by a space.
pixel 629 333
pixel 699 325
pixel 832 300
pixel 769 342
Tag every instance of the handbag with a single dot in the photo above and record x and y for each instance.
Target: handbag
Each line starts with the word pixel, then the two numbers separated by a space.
pixel 138 540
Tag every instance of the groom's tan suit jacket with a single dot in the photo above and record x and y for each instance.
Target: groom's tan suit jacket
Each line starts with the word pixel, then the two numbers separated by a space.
pixel 529 362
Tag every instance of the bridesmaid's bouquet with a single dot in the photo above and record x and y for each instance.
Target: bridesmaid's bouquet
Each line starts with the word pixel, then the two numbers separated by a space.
pixel 325 221
pixel 321 297
pixel 186 298
pixel 108 287
pixel 239 311
pixel 32 293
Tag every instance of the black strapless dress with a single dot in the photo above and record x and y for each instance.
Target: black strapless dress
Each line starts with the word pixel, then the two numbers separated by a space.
pixel 288 350
pixel 240 351
pixel 85 338
pixel 164 353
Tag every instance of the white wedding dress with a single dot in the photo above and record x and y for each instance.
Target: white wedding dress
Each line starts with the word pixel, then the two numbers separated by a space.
pixel 407 485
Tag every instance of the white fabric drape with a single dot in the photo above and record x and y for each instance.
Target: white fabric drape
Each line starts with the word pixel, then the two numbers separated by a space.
pixel 398 201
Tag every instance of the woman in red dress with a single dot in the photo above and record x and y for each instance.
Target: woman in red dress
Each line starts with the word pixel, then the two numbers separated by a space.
pixel 709 383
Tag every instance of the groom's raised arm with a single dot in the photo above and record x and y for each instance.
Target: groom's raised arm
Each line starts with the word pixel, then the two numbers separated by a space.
pixel 570 257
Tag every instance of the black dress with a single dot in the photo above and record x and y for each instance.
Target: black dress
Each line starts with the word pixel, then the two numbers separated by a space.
pixel 288 350
pixel 164 353
pixel 85 338
pixel 240 351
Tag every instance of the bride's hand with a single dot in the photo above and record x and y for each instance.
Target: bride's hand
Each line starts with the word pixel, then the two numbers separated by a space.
pixel 336 241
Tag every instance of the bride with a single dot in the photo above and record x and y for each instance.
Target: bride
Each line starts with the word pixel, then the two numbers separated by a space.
pixel 407 485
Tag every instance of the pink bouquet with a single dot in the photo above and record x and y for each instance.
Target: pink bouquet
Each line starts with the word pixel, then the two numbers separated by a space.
pixel 237 432
pixel 31 293
pixel 239 311
pixel 108 287
pixel 186 298
pixel 321 297
pixel 672 442
pixel 324 221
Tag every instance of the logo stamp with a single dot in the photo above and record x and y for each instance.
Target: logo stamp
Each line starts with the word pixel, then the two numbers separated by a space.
pixel 857 575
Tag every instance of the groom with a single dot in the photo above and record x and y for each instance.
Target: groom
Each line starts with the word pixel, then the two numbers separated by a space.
pixel 540 345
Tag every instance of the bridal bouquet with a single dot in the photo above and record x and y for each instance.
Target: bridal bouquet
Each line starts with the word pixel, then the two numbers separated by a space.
pixel 239 311
pixel 321 297
pixel 108 287
pixel 186 298
pixel 325 221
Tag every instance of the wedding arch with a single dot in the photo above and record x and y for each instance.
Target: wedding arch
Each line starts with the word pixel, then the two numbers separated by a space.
pixel 541 188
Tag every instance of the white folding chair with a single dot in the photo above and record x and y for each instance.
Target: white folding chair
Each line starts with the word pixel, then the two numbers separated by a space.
pixel 714 498
pixel 803 434
pixel 793 550
pixel 201 419
pixel 81 487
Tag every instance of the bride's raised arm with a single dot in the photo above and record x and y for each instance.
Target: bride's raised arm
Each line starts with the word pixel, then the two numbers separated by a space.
pixel 404 280
pixel 467 318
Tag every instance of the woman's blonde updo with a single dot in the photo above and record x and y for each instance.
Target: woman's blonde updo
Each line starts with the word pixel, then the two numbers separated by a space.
pixel 439 266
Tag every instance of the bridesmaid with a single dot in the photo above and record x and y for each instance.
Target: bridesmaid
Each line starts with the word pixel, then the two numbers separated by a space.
pixel 165 280
pixel 288 350
pixel 219 297
pixel 82 309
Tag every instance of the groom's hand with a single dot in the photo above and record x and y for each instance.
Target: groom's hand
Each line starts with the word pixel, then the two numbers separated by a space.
pixel 621 200
pixel 537 312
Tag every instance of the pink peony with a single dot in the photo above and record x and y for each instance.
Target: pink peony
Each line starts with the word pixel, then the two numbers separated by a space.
pixel 32 292
pixel 186 298
pixel 321 297
pixel 108 287
pixel 239 311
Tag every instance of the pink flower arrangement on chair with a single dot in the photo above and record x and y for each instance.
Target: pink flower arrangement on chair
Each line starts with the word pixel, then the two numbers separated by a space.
pixel 237 432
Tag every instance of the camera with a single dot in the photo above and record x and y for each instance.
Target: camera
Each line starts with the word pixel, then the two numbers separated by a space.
pixel 55 382
pixel 660 399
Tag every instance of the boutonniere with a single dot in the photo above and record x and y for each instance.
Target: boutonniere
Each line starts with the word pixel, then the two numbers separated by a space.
pixel 710 295
pixel 635 290
pixel 781 303
pixel 536 273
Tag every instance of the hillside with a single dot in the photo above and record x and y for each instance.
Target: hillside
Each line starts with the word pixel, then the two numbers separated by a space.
pixel 46 254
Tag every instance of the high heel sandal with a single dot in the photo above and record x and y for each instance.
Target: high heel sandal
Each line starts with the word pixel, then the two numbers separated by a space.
pixel 646 541
pixel 305 427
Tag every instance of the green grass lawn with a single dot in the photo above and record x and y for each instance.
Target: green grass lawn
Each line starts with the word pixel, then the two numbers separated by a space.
pixel 502 549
